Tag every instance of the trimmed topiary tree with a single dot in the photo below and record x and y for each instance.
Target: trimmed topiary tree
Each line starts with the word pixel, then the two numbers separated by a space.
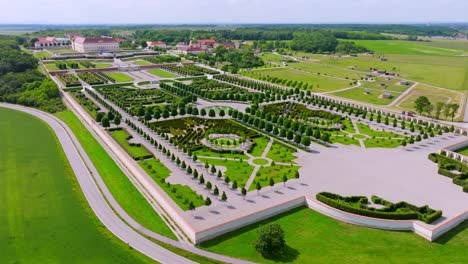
pixel 270 240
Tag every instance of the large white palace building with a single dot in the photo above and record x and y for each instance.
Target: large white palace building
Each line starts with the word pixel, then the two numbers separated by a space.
pixel 95 44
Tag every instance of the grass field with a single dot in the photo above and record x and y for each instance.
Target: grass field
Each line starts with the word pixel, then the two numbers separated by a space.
pixel 162 73
pixel 326 69
pixel 270 57
pixel 373 97
pixel 62 50
pixel 433 94
pixel 44 216
pixel 121 136
pixel 280 153
pixel 275 172
pixel 315 238
pixel 126 194
pixel 406 47
pixel 444 71
pixel 320 83
pixel 52 67
pixel 119 77
pixel 103 65
pixel 208 153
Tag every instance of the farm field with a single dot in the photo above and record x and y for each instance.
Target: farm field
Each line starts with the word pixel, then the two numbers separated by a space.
pixel 461 45
pixel 319 83
pixel 433 94
pixel 162 73
pixel 373 96
pixel 41 197
pixel 126 194
pixel 119 77
pixel 304 227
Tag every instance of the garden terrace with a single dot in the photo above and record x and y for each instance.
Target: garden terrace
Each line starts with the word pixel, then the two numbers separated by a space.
pixel 214 90
pixel 128 98
pixel 91 78
pixel 396 211
pixel 454 169
pixel 189 131
pixel 68 80
pixel 162 59
pixel 189 70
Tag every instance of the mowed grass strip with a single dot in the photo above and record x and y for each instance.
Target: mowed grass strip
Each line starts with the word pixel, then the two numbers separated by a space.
pixel 119 77
pixel 315 238
pixel 45 217
pixel 126 194
pixel 162 73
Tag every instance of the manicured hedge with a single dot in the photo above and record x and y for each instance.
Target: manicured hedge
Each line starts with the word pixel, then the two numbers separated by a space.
pixel 398 211
pixel 447 166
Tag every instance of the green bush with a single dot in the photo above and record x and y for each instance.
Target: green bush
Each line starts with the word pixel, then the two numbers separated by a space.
pixel 397 211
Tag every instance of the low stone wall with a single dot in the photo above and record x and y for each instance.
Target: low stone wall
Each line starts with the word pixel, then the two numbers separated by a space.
pixel 212 232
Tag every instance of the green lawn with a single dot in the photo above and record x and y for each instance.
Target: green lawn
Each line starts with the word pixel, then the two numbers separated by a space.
pixel 281 153
pixel 103 65
pixel 119 77
pixel 260 161
pixel 162 73
pixel 343 139
pixel 329 70
pixel 314 238
pixel 239 171
pixel 406 47
pixel 126 194
pixel 181 194
pixel 367 130
pixel 270 57
pixel 372 97
pixel 45 217
pixel 275 172
pixel 136 151
pixel 142 62
pixel 41 54
pixel 260 145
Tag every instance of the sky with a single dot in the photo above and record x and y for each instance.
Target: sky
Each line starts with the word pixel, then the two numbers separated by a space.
pixel 230 11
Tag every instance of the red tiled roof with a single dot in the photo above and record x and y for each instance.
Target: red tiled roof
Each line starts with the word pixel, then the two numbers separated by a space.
pixel 206 41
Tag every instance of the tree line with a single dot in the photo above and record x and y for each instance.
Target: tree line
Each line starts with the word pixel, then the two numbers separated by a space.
pixel 424 106
pixel 22 83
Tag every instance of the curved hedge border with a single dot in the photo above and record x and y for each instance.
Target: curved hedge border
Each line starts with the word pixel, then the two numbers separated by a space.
pixel 424 213
pixel 448 165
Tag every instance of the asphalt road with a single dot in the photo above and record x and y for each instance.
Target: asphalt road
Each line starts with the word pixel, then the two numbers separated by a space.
pixel 82 168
